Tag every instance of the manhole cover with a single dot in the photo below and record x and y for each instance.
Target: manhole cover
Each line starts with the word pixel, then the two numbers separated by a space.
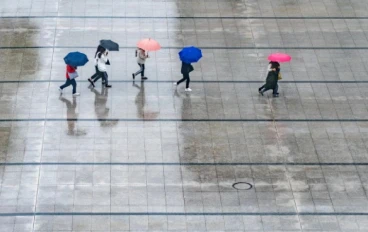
pixel 242 186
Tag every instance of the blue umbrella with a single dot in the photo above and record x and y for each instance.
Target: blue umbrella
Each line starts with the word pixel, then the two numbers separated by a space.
pixel 190 54
pixel 76 59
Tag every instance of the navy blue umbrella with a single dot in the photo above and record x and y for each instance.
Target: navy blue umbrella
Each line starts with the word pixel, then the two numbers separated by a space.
pixel 76 59
pixel 109 45
pixel 190 54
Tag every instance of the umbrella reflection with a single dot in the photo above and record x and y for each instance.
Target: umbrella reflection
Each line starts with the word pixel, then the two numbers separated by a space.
pixel 140 102
pixel 102 112
pixel 71 115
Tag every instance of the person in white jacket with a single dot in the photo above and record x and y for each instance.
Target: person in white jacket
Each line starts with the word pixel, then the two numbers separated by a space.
pixel 97 73
pixel 101 61
pixel 141 59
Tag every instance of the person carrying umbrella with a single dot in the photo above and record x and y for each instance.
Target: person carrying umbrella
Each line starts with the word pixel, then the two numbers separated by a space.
pixel 141 59
pixel 100 64
pixel 144 45
pixel 271 81
pixel 102 60
pixel 97 74
pixel 188 55
pixel 274 69
pixel 72 60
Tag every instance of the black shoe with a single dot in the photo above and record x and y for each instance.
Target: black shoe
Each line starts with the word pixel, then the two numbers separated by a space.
pixel 103 82
pixel 276 95
pixel 108 86
pixel 144 78
pixel 133 76
pixel 90 81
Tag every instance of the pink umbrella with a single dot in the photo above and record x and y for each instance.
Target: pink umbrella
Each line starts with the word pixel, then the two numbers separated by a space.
pixel 279 57
pixel 149 44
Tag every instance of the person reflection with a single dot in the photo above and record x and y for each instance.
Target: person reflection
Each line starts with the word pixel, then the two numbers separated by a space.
pixel 140 99
pixel 102 112
pixel 140 102
pixel 70 114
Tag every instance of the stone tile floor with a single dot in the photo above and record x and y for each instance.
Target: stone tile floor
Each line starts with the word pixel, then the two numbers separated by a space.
pixel 144 156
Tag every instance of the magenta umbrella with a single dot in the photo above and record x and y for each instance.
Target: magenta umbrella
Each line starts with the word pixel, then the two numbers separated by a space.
pixel 279 57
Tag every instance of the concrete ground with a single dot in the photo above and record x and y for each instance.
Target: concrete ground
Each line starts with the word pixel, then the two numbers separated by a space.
pixel 146 156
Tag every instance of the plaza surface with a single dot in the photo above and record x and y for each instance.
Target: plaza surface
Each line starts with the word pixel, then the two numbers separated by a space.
pixel 145 156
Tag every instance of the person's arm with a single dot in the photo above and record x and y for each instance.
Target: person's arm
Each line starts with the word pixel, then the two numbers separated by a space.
pixel 96 59
pixel 104 58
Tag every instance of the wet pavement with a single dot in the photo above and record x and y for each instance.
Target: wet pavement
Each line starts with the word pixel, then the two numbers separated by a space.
pixel 145 156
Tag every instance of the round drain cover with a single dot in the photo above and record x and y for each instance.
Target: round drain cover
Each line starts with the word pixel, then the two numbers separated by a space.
pixel 242 186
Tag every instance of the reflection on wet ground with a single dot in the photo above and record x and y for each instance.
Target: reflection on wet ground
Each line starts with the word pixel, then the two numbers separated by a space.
pixel 146 156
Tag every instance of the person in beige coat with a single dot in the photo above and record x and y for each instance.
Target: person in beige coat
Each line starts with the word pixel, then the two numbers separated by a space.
pixel 141 59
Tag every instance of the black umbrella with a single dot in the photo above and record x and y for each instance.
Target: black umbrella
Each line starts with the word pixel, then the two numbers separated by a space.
pixel 109 45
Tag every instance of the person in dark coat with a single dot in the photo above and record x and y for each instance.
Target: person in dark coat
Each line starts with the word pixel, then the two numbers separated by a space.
pixel 185 70
pixel 271 80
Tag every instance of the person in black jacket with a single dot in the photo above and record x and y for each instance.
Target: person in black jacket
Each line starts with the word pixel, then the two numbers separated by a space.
pixel 185 70
pixel 271 81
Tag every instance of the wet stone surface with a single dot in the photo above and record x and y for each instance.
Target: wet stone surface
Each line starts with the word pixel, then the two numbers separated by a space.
pixel 147 156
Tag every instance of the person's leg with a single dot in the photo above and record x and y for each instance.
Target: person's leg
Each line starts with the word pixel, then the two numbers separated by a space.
pixel 264 90
pixel 74 84
pixel 106 79
pixel 142 73
pixel 97 73
pixel 94 76
pixel 188 81
pixel 66 84
pixel 181 80
pixel 275 91
pixel 98 76
pixel 139 71
pixel 260 88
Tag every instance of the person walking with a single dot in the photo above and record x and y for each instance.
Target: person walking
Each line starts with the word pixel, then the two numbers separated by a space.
pixel 271 80
pixel 71 74
pixel 185 70
pixel 97 74
pixel 141 59
pixel 102 60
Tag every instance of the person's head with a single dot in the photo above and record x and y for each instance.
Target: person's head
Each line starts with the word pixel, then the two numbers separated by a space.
pixel 99 48
pixel 102 51
pixel 275 65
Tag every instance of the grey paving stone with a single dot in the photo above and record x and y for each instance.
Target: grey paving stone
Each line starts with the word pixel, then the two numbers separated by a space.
pixel 321 83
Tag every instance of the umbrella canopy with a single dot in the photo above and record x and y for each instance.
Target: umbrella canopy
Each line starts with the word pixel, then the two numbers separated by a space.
pixel 76 59
pixel 109 45
pixel 149 45
pixel 190 54
pixel 279 57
